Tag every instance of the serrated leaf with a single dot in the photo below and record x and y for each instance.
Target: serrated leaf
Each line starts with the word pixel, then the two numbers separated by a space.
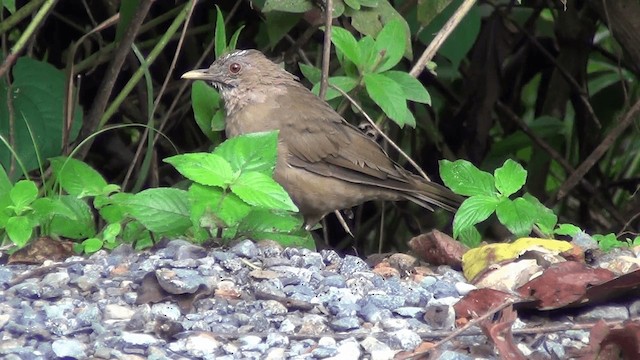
pixel 10 5
pixel 47 208
pixel 510 177
pixel 211 207
pixel 412 88
pixel 19 229
pixel 367 50
pixel 261 190
pixel 472 211
pixel 81 228
pixel 76 177
pixel 388 95
pixel 161 210
pixel 465 179
pixel 203 168
pixel 347 44
pixel 370 21
pixel 517 215
pixel 267 221
pixel 251 152
pixel 546 220
pixel 344 83
pixel 470 237
pixel 388 45
pixel 23 193
pixel 292 6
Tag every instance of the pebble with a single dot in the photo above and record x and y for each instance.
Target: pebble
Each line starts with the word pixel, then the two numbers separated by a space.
pixel 215 304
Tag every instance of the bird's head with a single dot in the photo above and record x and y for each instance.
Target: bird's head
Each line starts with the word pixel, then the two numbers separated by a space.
pixel 241 69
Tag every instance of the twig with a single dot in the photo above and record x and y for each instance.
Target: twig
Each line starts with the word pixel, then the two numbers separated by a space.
pixel 111 75
pixel 28 33
pixel 599 151
pixel 357 106
pixel 441 36
pixel 326 48
pixel 459 331
pixel 39 271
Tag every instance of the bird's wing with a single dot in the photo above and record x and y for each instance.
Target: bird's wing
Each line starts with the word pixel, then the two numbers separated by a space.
pixel 328 145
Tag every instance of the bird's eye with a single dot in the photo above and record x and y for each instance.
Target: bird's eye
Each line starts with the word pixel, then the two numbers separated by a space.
pixel 235 68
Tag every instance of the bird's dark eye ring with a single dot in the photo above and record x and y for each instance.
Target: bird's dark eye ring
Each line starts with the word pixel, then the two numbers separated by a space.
pixel 235 68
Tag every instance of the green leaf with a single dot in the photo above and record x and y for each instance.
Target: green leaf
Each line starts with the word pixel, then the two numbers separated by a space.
pixel 354 4
pixel 114 209
pixel 470 237
pixel 46 208
pixel 126 12
pixel 344 83
pixel 261 190
pixel 161 210
pixel 462 38
pixel 266 221
pixel 388 95
pixel 388 44
pixel 220 35
pixel 211 207
pixel 546 220
pixel 5 183
pixel 412 88
pixel 367 50
pixel 23 193
pixel 205 102
pixel 518 216
pixel 465 179
pixel 429 9
pixel 81 228
pixel 472 211
pixel 292 6
pixel 567 229
pixel 19 229
pixel 77 178
pixel 38 98
pixel 9 5
pixel 251 152
pixel 279 24
pixel 370 21
pixel 347 44
pixel 111 231
pixel 311 73
pixel 234 39
pixel 203 168
pixel 91 245
pixel 369 3
pixel 510 177
pixel 608 242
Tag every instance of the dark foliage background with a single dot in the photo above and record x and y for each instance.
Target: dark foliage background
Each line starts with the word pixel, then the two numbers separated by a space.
pixel 550 84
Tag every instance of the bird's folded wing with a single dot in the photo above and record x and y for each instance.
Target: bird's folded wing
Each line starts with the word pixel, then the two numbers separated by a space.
pixel 331 147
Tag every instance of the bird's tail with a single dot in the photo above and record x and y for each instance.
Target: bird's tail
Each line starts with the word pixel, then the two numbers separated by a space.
pixel 428 194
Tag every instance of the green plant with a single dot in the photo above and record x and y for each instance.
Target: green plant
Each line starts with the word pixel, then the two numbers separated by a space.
pixel 234 194
pixel 488 194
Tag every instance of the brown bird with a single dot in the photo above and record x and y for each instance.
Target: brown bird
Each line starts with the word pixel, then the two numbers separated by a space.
pixel 324 163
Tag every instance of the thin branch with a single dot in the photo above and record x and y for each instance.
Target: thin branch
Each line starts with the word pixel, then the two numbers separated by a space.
pixel 108 81
pixel 440 37
pixel 326 48
pixel 599 151
pixel 357 106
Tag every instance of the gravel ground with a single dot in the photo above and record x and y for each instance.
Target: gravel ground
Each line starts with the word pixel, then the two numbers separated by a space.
pixel 250 301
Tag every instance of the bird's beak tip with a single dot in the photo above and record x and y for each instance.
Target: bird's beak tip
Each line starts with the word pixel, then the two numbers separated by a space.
pixel 194 75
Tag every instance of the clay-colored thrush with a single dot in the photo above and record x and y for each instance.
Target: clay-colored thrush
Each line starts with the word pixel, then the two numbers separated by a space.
pixel 324 163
